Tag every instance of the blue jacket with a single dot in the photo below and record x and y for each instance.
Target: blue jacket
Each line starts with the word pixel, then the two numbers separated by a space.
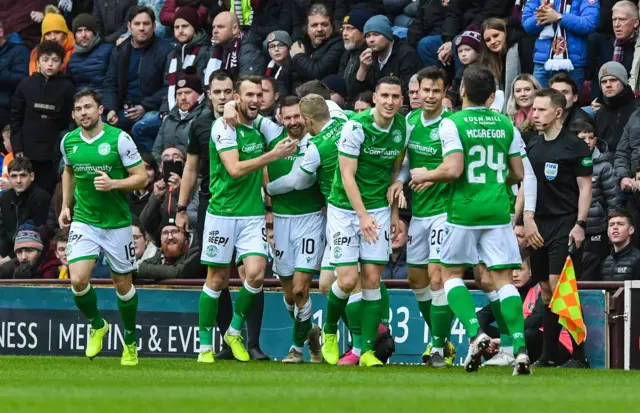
pixel 14 66
pixel 89 70
pixel 579 23
pixel 150 70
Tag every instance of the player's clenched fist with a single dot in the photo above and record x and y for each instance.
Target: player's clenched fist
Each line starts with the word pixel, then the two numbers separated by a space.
pixel 369 229
pixel 64 220
pixel 102 182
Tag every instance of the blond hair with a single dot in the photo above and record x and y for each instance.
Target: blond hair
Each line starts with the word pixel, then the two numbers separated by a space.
pixel 315 107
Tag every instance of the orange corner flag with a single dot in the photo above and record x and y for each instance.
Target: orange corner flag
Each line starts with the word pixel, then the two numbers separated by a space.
pixel 566 303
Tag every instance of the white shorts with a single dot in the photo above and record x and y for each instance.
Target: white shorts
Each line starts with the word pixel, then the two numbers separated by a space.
pixel 425 240
pixel 248 236
pixel 347 246
pixel 497 248
pixel 85 242
pixel 299 242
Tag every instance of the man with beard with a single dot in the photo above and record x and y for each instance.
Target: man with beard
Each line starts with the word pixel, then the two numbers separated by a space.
pixel 354 45
pixel 177 257
pixel 192 50
pixel 101 164
pixel 176 125
pixel 88 66
pixel 319 54
pixel 386 55
pixel 236 216
pixel 299 227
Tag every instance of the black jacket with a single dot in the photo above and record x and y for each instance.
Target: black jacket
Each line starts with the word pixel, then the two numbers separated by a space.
pixel 627 157
pixel 111 17
pixel 431 15
pixel 604 54
pixel 284 78
pixel 159 268
pixel 349 64
pixel 272 15
pixel 462 13
pixel 403 63
pixel 40 111
pixel 31 205
pixel 320 62
pixel 604 197
pixel 199 138
pixel 623 265
pixel 343 7
pixel 613 116
pixel 576 114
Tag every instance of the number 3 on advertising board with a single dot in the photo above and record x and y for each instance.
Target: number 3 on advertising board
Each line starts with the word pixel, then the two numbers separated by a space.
pixel 402 324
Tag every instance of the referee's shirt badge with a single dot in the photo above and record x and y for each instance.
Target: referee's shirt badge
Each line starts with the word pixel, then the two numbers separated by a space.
pixel 550 170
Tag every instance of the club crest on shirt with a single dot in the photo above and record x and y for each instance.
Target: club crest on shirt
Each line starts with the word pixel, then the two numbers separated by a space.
pixel 104 149
pixel 397 136
pixel 435 134
pixel 550 170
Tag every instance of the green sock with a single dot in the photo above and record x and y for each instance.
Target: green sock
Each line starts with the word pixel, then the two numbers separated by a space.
pixel 290 308
pixel 441 317
pixel 243 305
pixel 88 305
pixel 370 310
pixel 354 306
pixel 336 303
pixel 462 305
pixel 384 304
pixel 356 342
pixel 511 306
pixel 302 324
pixel 128 311
pixel 423 296
pixel 505 338
pixel 207 312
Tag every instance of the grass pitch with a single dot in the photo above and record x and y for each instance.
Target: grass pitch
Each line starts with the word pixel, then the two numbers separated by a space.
pixel 62 384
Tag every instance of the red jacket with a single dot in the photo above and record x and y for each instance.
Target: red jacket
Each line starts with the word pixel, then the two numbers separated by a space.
pixel 168 13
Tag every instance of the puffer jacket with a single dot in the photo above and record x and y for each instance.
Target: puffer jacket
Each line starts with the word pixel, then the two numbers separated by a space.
pixel 623 265
pixel 627 157
pixel 320 62
pixel 89 70
pixel 14 66
pixel 579 23
pixel 604 197
pixel 175 131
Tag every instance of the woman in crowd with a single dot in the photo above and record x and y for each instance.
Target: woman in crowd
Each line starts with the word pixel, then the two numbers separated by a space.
pixel 520 101
pixel 363 102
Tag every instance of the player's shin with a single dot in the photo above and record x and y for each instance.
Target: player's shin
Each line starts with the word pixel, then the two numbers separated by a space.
pixel 462 305
pixel 243 305
pixel 511 308
pixel 207 312
pixel 441 317
pixel 384 305
pixel 370 317
pixel 128 307
pixel 424 298
pixel 353 312
pixel 87 302
pixel 336 303
pixel 506 342
pixel 302 325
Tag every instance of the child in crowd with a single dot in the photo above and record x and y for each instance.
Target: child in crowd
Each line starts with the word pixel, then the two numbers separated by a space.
pixel 468 50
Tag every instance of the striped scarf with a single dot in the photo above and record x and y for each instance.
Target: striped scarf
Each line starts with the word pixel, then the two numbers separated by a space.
pixel 269 73
pixel 172 76
pixel 226 58
pixel 559 53
pixel 618 47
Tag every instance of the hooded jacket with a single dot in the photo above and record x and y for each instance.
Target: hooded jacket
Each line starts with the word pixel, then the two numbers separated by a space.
pixel 604 197
pixel 613 116
pixel 174 130
pixel 318 63
pixel 31 205
pixel 14 66
pixel 89 70
pixel 40 111
pixel 579 23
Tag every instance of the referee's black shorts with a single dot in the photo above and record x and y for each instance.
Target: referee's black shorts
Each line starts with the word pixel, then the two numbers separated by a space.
pixel 551 257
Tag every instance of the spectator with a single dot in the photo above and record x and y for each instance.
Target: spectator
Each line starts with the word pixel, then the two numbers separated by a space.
pixel 178 256
pixel 627 156
pixel 175 127
pixel 228 52
pixel 40 113
pixel 562 36
pixel 337 89
pixel 621 47
pixel 137 70
pixel 8 157
pixel 14 66
pixel 565 84
pixel 111 15
pixel 618 103
pixel 364 101
pixel 624 262
pixel 220 92
pixel 386 55
pixel 414 93
pixel 172 8
pixel 397 268
pixel 436 49
pixel 468 49
pixel 192 50
pixel 54 29
pixel 318 55
pixel 279 67
pixel 604 197
pixel 89 64
pixel 23 202
pixel 344 7
pixel 428 22
pixel 270 97
pixel 354 45
pixel 139 198
pixel 523 92
pixel 145 249
pixel 29 261
pixel 59 242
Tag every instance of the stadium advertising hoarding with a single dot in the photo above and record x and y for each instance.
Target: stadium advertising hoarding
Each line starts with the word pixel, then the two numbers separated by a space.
pixel 44 321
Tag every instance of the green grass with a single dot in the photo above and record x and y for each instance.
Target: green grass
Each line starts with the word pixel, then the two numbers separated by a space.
pixel 56 384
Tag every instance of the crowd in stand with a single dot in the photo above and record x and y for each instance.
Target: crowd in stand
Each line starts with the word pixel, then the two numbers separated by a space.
pixel 165 70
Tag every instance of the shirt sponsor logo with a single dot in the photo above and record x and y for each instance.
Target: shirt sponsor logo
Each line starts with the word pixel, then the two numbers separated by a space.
pixel 550 170
pixel 429 150
pixel 253 147
pixel 385 153
pixel 587 161
pixel 91 168
pixel 104 149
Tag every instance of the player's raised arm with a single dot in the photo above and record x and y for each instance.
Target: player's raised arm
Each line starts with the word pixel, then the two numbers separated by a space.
pixel 299 178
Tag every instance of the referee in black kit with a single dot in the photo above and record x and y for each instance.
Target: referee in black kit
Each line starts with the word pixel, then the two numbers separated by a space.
pixel 563 167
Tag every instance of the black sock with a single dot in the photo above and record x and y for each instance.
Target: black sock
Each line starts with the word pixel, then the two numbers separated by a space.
pixel 254 321
pixel 551 334
pixel 225 312
pixel 578 350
